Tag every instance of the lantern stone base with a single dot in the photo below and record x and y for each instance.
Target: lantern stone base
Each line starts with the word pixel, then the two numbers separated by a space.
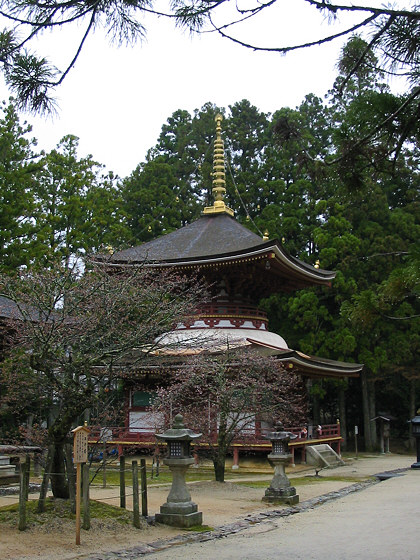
pixel 179 514
pixel 281 496
pixel 415 465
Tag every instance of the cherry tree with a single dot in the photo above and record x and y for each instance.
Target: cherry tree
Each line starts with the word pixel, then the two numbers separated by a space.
pixel 222 395
pixel 72 336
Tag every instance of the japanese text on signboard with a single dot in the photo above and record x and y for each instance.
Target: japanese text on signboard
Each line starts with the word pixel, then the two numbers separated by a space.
pixel 80 447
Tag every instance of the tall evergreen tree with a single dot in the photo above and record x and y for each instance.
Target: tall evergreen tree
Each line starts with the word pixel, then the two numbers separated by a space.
pixel 74 200
pixel 19 169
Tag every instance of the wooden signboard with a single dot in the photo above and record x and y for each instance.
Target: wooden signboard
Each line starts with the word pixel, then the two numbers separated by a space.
pixel 80 454
pixel 80 444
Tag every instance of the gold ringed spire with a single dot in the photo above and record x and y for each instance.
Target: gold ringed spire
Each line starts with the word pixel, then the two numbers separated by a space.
pixel 219 177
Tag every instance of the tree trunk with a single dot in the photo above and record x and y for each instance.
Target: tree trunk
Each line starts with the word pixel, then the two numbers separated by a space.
pixel 219 467
pixel 59 484
pixel 45 479
pixel 372 412
pixel 219 458
pixel 366 414
pixel 343 419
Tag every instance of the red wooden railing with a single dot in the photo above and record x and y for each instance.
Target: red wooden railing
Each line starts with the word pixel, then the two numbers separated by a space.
pixel 223 309
pixel 250 436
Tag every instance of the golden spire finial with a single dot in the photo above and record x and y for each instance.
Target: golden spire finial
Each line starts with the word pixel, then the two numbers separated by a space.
pixel 219 180
pixel 266 235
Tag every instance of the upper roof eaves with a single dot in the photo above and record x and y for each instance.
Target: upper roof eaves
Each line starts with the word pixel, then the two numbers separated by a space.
pixel 213 239
pixel 206 237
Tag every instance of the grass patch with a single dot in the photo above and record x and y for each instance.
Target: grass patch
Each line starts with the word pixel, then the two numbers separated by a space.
pixel 165 476
pixel 305 481
pixel 61 509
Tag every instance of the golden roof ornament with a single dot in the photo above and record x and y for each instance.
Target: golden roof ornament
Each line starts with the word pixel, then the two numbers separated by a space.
pixel 266 235
pixel 219 181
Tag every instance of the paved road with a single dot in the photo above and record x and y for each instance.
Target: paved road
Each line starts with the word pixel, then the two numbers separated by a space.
pixel 379 523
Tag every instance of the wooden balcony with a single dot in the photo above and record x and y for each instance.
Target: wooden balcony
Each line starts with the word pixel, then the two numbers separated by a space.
pixel 211 314
pixel 251 439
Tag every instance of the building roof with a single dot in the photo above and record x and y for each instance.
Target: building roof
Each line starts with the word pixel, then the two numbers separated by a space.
pixel 220 240
pixel 182 343
pixel 209 236
pixel 217 240
pixel 9 309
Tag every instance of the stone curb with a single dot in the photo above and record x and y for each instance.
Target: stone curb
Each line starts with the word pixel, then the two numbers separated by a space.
pixel 220 532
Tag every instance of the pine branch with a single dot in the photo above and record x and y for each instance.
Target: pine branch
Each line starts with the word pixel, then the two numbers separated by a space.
pixel 367 49
pixel 335 8
pixel 378 128
pixel 284 50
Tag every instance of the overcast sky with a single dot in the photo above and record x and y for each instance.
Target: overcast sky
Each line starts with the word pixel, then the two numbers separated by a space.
pixel 117 99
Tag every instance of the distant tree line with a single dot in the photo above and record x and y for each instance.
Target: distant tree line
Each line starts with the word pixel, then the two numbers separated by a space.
pixel 314 176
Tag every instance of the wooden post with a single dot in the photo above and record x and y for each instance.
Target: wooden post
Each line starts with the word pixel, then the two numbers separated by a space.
pixel 78 486
pixel 45 479
pixel 104 464
pixel 143 476
pixel 122 482
pixel 22 496
pixel 80 448
pixel 136 512
pixel 86 501
pixel 27 475
pixel 235 458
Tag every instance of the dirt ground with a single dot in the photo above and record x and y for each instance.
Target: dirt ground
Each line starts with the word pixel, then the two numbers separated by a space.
pixel 220 504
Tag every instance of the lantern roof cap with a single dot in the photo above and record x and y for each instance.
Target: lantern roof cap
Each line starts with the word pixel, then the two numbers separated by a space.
pixel 178 432
pixel 280 433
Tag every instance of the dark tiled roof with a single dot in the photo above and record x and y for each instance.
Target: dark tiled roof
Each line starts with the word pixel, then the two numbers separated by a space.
pixel 9 309
pixel 208 236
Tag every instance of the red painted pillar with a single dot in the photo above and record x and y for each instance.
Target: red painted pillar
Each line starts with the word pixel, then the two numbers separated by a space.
pixel 235 458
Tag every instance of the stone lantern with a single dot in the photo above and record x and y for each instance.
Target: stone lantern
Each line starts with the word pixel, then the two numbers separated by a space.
pixel 280 490
pixel 415 430
pixel 179 510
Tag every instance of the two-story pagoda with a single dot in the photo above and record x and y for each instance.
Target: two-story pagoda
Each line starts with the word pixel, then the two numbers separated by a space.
pixel 241 268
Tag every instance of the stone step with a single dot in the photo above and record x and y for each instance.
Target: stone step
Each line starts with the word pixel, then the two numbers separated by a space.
pixel 323 456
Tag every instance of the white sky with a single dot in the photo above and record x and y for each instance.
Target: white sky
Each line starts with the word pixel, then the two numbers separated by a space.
pixel 117 99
